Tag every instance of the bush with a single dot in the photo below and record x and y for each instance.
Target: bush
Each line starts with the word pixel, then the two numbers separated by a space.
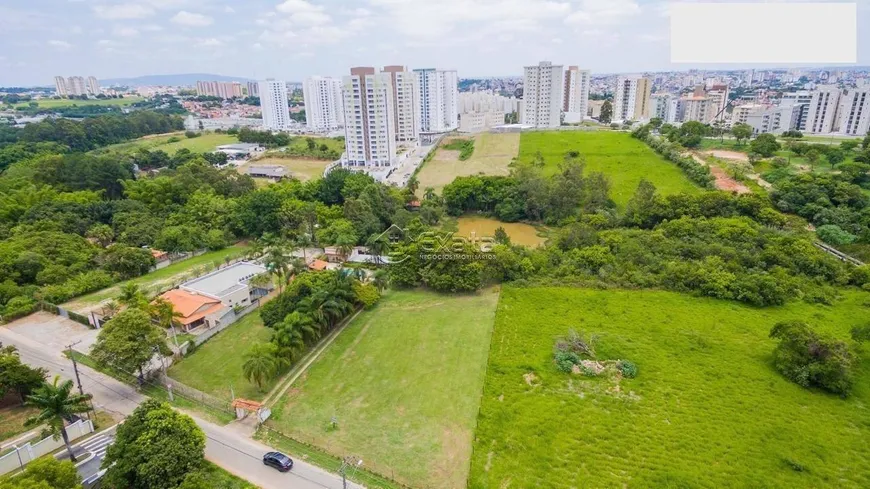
pixel 18 307
pixel 835 235
pixel 191 134
pixel 366 294
pixel 464 146
pixel 812 360
pixel 628 369
pixel 565 360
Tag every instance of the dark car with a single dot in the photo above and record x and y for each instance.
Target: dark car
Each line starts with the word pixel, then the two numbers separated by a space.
pixel 278 460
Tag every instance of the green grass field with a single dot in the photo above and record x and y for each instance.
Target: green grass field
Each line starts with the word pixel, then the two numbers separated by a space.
pixel 623 159
pixel 12 420
pixel 403 381
pixel 156 278
pixel 49 103
pixel 333 144
pixel 707 409
pixel 492 155
pixel 216 366
pixel 205 143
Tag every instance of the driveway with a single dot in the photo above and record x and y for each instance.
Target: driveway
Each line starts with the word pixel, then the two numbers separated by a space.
pixel 54 333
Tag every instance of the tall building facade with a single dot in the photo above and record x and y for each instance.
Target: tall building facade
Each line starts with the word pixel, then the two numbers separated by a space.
pixel 324 104
pixel 664 106
pixel 224 90
pixel 542 95
pixel 719 92
pixel 253 89
pixel 855 112
pixel 436 104
pixel 369 118
pixel 801 101
pixel 60 86
pixel 576 96
pixel 404 103
pixel 822 112
pixel 774 119
pixel 631 100
pixel 698 109
pixel 93 85
pixel 274 106
pixel 75 85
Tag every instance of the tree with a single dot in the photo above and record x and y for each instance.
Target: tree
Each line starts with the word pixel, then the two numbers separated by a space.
pixel 102 234
pixel 606 112
pixel 261 363
pixel 126 261
pixel 45 473
pixel 163 312
pixel 835 156
pixel 131 295
pixel 501 236
pixel 812 360
pixel 278 263
pixel 57 404
pixel 16 376
pixel 413 184
pixel 765 144
pixel 835 235
pixel 741 132
pixel 129 341
pixel 155 448
pixel 813 156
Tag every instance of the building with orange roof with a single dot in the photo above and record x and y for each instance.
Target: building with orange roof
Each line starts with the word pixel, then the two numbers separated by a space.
pixel 318 265
pixel 196 310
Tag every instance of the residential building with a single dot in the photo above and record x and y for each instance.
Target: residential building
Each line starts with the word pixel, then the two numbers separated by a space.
pixel 595 108
pixel 402 82
pixel 664 106
pixel 272 172
pixel 224 90
pixel 719 92
pixel 775 119
pixel 486 101
pixel 480 121
pixel 93 85
pixel 576 96
pixel 75 85
pixel 60 86
pixel 324 107
pixel 369 118
pixel 698 109
pixel 543 90
pixel 740 113
pixel 273 105
pixel 631 100
pixel 855 112
pixel 822 112
pixel 253 89
pixel 436 95
pixel 801 101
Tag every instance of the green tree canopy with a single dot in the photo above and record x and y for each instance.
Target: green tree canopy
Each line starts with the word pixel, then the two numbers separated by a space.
pixel 128 341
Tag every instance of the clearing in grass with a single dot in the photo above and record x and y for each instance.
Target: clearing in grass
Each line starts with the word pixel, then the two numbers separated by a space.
pixel 706 409
pixel 403 382
pixel 623 159
pixel 299 168
pixel 492 155
pixel 50 103
pixel 216 366
pixel 207 142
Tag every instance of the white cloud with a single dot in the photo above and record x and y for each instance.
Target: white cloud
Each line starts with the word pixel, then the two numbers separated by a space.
pixel 125 31
pixel 603 12
pixel 60 45
pixel 191 19
pixel 310 18
pixel 210 42
pixel 152 28
pixel 298 6
pixel 123 11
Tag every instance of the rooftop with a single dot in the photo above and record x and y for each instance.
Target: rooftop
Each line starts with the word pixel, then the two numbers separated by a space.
pixel 226 280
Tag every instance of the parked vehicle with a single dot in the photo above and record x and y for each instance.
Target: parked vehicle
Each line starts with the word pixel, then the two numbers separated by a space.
pixel 278 460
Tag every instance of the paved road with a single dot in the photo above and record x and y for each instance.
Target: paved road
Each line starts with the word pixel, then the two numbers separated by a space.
pixel 232 451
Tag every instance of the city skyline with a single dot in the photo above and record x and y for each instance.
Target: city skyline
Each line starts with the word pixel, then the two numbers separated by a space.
pixel 479 39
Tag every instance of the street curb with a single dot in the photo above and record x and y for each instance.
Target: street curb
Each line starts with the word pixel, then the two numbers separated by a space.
pixel 86 460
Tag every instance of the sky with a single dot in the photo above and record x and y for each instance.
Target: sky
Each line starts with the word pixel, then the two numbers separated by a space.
pixel 293 39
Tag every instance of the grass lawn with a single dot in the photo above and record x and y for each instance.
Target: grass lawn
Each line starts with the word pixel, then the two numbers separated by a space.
pixel 492 155
pixel 157 278
pixel 706 410
pixel 50 103
pixel 332 143
pixel 403 381
pixel 205 143
pixel 216 365
pixel 300 168
pixel 218 478
pixel 12 421
pixel 622 158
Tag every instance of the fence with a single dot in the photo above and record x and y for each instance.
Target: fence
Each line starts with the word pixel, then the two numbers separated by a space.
pixel 26 453
pixel 65 313
pixel 231 317
pixel 177 388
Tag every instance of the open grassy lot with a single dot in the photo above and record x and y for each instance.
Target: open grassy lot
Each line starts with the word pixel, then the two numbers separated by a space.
pixel 302 169
pixel 12 420
pixel 50 103
pixel 216 366
pixel 492 155
pixel 205 143
pixel 218 478
pixel 622 158
pixel 157 278
pixel 300 142
pixel 404 383
pixel 706 410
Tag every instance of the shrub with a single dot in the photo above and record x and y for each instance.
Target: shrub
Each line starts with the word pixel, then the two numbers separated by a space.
pixel 628 369
pixel 812 360
pixel 366 294
pixel 18 307
pixel 464 146
pixel 835 235
pixel 191 134
pixel 565 360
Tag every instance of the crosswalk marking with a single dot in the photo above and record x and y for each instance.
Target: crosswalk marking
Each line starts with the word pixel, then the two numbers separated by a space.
pixel 98 445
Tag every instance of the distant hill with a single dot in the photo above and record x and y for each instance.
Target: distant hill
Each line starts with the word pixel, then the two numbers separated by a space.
pixel 169 80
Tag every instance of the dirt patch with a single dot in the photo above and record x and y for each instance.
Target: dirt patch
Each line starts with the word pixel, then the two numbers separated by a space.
pixel 725 182
pixel 448 155
pixel 531 379
pixel 455 451
pixel 728 155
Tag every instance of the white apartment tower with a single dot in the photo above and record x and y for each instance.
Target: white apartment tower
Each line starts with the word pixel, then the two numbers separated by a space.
pixel 60 86
pixel 253 89
pixel 436 94
pixel 631 100
pixel 75 85
pixel 324 104
pixel 855 112
pixel 404 103
pixel 93 85
pixel 369 118
pixel 576 97
pixel 273 104
pixel 822 113
pixel 542 95
pixel 664 106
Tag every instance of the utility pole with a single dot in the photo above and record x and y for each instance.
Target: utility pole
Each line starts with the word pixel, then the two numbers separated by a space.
pixel 348 462
pixel 78 379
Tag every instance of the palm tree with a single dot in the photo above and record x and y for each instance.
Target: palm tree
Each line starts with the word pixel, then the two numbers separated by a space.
pixel 378 245
pixel 166 316
pixel 110 308
pixel 429 193
pixel 381 279
pixel 413 184
pixel 277 263
pixel 131 295
pixel 303 240
pixel 57 404
pixel 261 281
pixel 290 341
pixel 260 364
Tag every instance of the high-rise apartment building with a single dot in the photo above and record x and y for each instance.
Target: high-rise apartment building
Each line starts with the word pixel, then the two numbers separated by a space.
pixel 719 92
pixel 698 109
pixel 402 82
pixel 75 85
pixel 253 89
pixel 576 97
pixel 855 112
pixel 822 113
pixel 436 104
pixel 631 100
pixel 664 106
pixel 543 90
pixel 93 85
pixel 60 86
pixel 224 90
pixel 273 104
pixel 774 119
pixel 324 105
pixel 369 118
pixel 801 101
